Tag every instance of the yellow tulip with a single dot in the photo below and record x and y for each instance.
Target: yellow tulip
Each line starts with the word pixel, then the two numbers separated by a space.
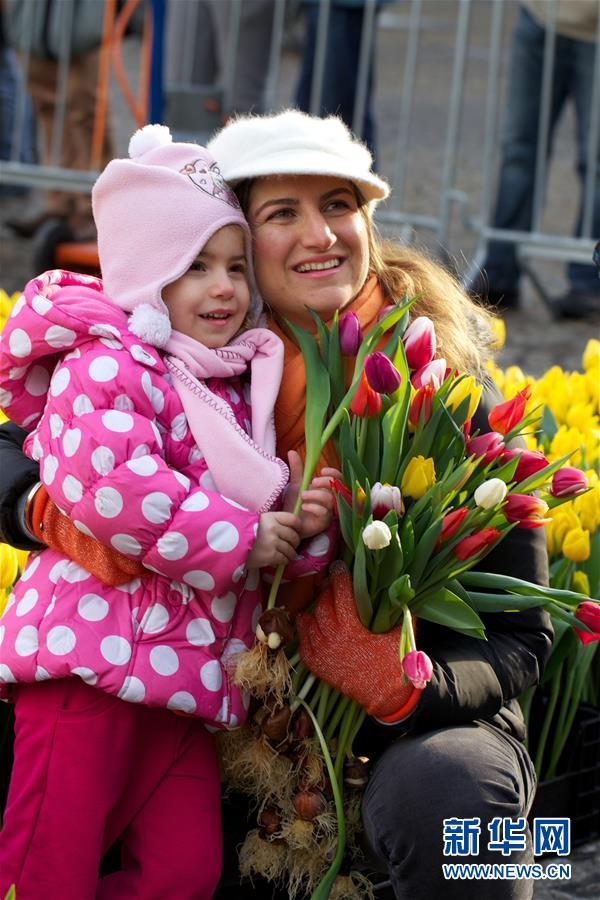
pixel 591 355
pixel 418 477
pixel 587 508
pixel 576 545
pixel 581 416
pixel 467 387
pixel 3 600
pixel 581 583
pixel 566 440
pixel 562 520
pixel 499 329
pixel 9 566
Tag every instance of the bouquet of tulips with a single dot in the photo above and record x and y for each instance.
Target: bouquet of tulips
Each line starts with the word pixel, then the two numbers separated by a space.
pixel 420 502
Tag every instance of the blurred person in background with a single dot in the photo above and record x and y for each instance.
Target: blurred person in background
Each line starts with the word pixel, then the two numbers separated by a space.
pixel 37 30
pixel 11 80
pixel 572 79
pixel 342 57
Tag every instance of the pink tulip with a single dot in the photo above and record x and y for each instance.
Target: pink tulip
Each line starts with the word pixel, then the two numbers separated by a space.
pixel 526 511
pixel 382 374
pixel 568 482
pixel 588 613
pixel 530 462
pixel 385 497
pixel 433 373
pixel 419 342
pixel 418 668
pixel 350 334
pixel 486 447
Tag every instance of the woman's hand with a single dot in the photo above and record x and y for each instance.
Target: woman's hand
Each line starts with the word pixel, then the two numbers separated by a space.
pixel 276 540
pixel 318 502
pixel 338 649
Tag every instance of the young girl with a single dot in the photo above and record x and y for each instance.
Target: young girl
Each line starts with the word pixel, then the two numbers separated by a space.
pixel 154 433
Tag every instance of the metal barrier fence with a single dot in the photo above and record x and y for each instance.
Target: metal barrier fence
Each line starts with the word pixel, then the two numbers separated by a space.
pixel 440 69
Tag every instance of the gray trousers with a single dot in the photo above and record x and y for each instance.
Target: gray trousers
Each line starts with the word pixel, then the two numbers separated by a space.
pixel 460 772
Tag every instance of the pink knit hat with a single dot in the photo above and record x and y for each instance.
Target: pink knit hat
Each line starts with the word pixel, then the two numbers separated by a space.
pixel 154 213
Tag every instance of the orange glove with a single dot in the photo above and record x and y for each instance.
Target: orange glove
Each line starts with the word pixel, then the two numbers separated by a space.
pixel 50 527
pixel 336 647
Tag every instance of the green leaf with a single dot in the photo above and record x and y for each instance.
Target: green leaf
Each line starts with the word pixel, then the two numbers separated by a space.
pixel 345 517
pixel 493 603
pixel 362 598
pixel 407 539
pixel 401 591
pixel 548 425
pixel 323 333
pixel 317 393
pixel 334 363
pixel 591 566
pixel 446 608
pixel 372 446
pixel 393 426
pixel 393 559
pixel 423 551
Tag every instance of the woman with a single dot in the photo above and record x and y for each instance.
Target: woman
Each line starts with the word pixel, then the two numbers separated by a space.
pixel 309 193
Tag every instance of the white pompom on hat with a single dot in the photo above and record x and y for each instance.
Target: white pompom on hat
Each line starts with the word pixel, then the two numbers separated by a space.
pixel 154 213
pixel 294 143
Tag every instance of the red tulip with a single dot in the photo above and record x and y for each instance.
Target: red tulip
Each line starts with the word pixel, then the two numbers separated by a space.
pixel 568 482
pixel 505 416
pixel 417 667
pixel 475 543
pixel 451 523
pixel 528 512
pixel 588 613
pixel 382 374
pixel 419 342
pixel 366 401
pixel 433 373
pixel 530 462
pixel 339 489
pixel 421 401
pixel 486 447
pixel 350 334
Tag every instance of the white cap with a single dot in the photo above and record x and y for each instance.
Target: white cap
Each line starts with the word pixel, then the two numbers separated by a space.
pixel 294 143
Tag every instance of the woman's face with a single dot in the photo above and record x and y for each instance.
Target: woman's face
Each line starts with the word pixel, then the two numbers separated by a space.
pixel 310 244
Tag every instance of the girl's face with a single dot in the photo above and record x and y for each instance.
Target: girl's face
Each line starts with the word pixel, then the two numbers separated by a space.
pixel 210 301
pixel 310 244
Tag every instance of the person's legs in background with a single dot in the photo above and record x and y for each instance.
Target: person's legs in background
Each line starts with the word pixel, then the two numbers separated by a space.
pixel 499 282
pixel 583 296
pixel 464 772
pixel 344 35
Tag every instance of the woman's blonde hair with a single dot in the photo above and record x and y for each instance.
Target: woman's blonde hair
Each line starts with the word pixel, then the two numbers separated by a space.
pixel 464 330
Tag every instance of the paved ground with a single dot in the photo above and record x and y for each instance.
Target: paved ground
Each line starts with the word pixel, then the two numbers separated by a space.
pixel 535 340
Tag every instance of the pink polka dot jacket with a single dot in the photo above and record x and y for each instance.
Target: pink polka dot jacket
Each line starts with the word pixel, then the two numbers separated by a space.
pixel 117 456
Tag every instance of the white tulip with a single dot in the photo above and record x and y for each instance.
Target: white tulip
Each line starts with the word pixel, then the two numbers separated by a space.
pixel 490 493
pixel 376 536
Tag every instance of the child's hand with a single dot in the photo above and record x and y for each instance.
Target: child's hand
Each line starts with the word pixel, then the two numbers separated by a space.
pixel 317 502
pixel 276 540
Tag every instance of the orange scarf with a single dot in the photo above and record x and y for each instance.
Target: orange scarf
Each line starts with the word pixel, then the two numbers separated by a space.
pixel 290 407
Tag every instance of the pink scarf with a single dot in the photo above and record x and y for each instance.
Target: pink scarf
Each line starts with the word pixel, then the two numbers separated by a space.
pixel 243 468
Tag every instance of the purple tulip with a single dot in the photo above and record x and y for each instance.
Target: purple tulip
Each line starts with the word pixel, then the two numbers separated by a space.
pixel 568 482
pixel 418 668
pixel 350 334
pixel 382 374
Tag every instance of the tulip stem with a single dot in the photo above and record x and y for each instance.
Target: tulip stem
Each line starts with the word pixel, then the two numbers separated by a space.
pixel 539 756
pixel 323 889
